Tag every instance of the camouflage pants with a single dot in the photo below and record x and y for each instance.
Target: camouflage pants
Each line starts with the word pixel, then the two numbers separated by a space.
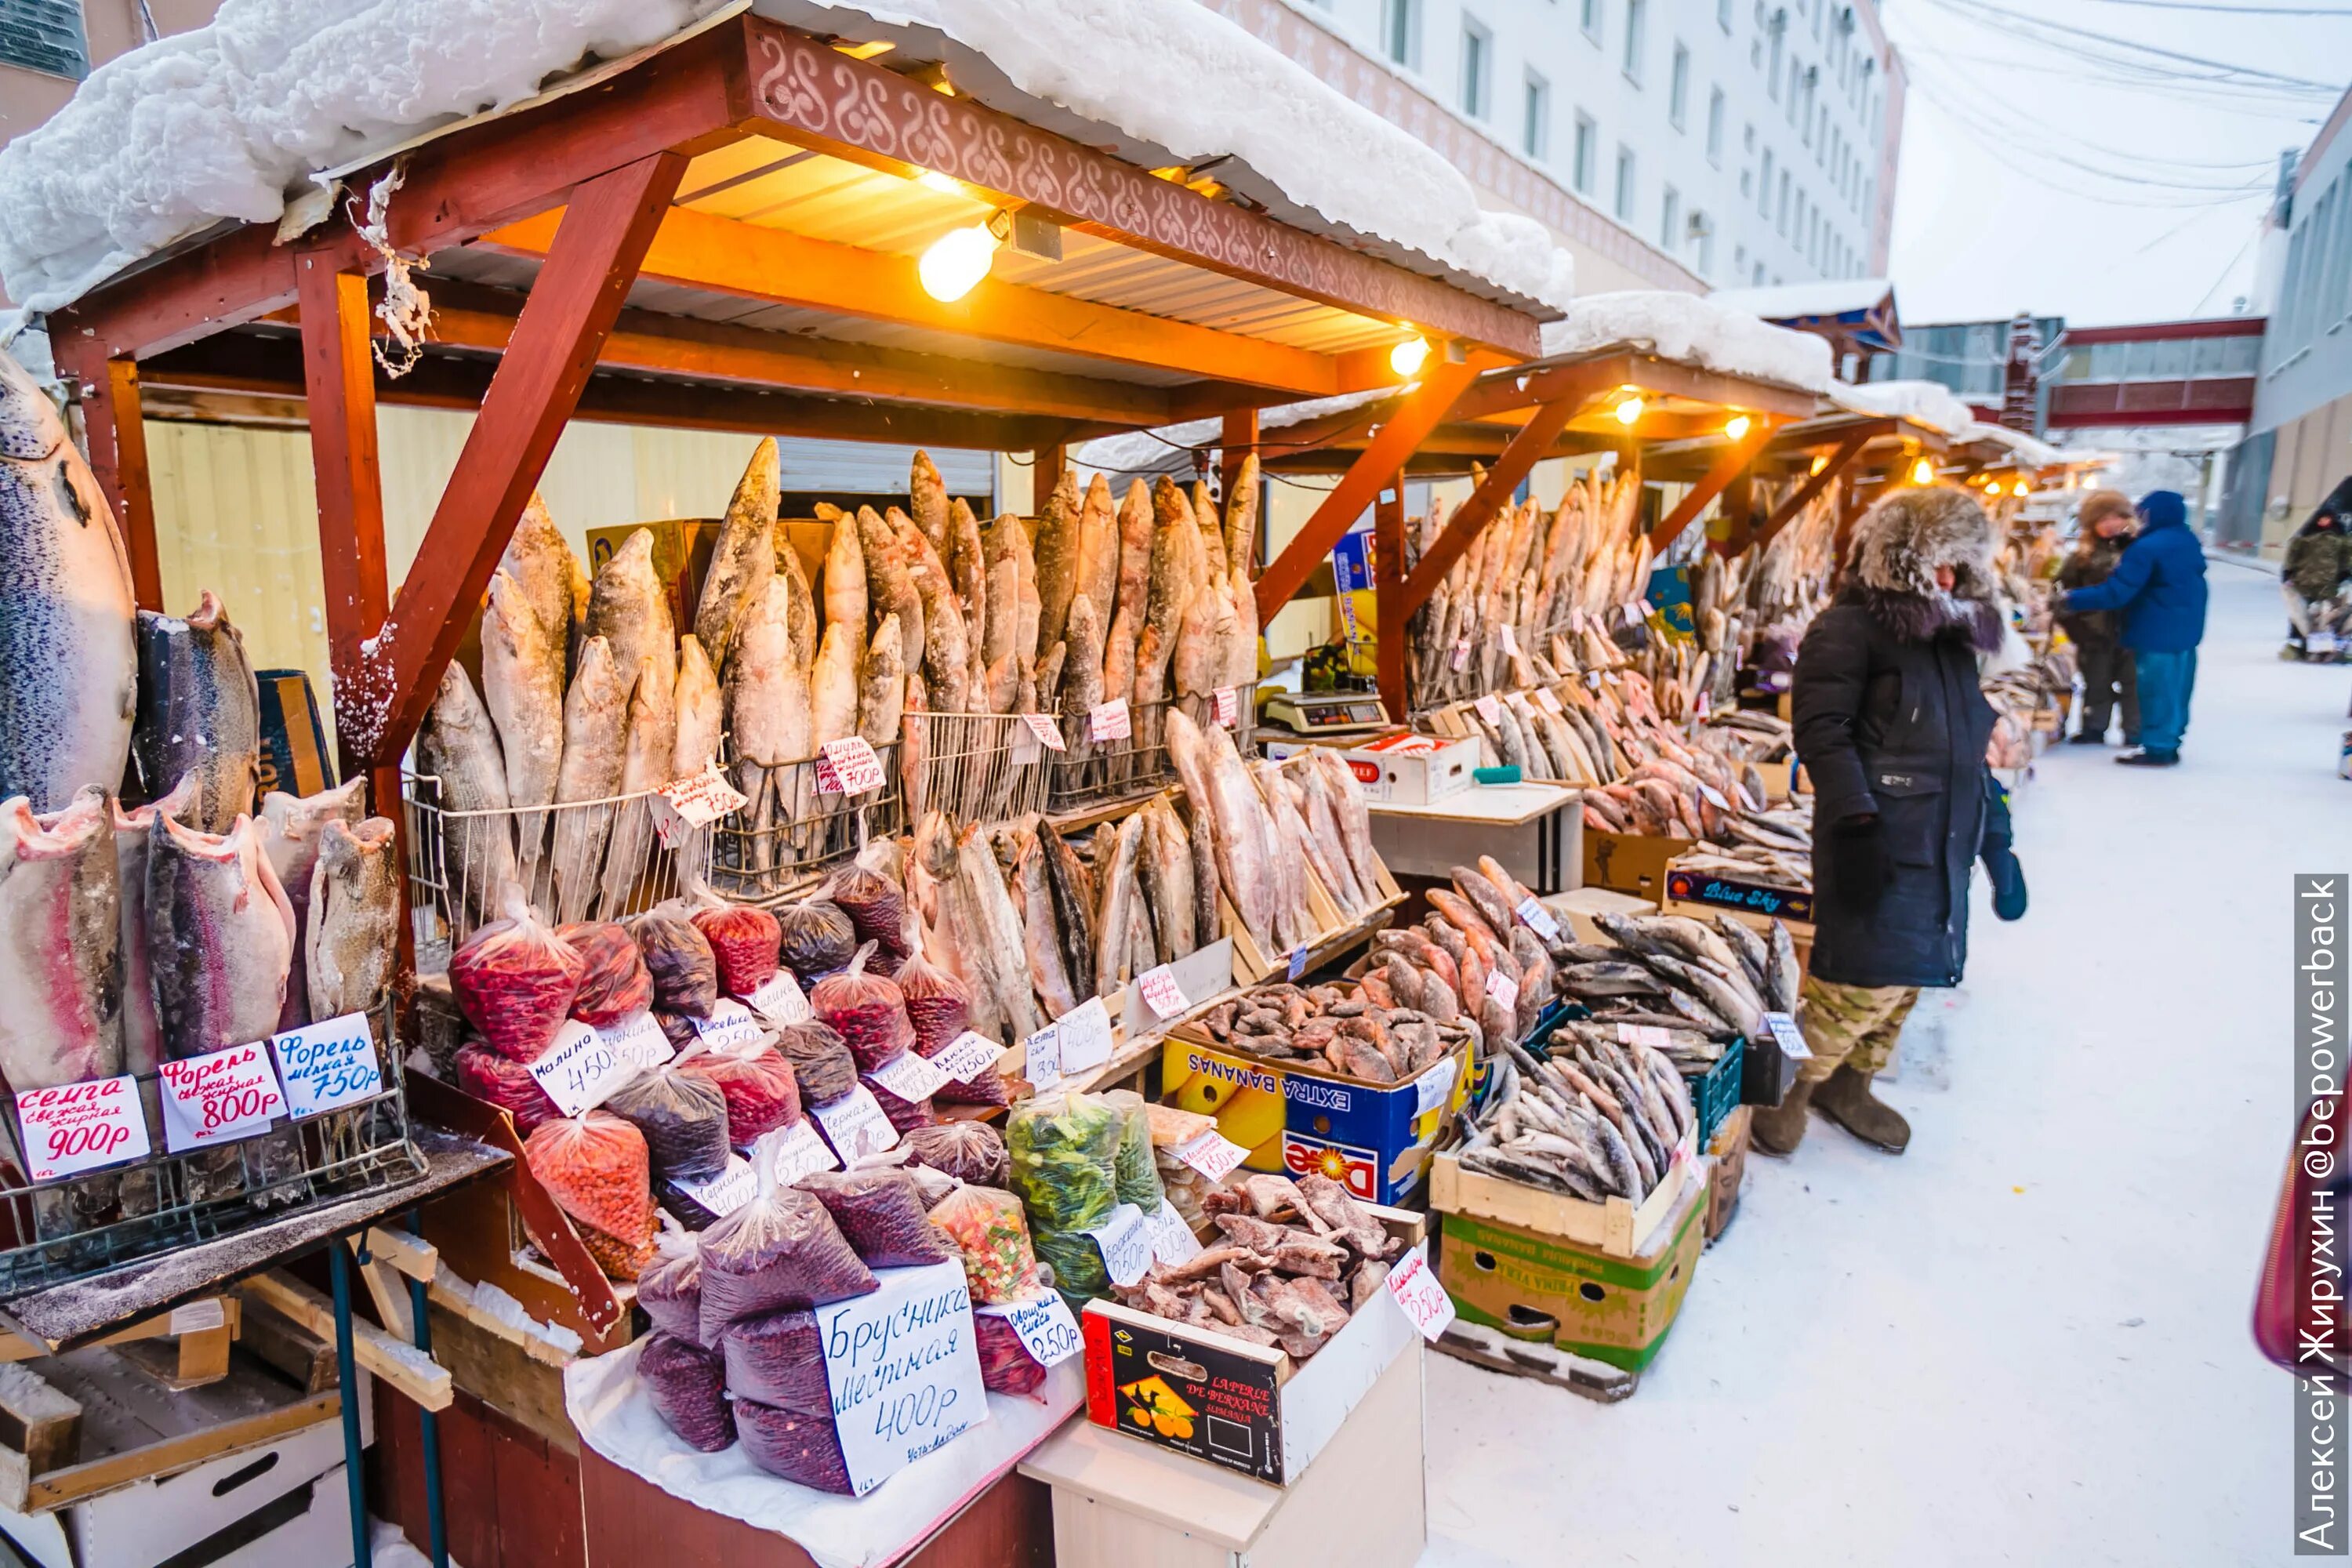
pixel 1855 1023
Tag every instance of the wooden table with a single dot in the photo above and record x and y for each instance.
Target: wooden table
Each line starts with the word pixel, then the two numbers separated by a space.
pixel 1535 830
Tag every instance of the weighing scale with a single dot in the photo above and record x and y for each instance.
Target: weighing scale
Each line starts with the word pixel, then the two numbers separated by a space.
pixel 1326 712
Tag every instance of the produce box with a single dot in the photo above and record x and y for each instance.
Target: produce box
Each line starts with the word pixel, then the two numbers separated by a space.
pixel 1704 893
pixel 1727 1159
pixel 1373 1139
pixel 1534 1286
pixel 1630 862
pixel 1401 768
pixel 1716 1092
pixel 1782 779
pixel 1240 1406
pixel 1612 1227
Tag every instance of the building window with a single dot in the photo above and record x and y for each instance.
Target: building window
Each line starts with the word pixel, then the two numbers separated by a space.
pixel 1589 17
pixel 45 36
pixel 1625 184
pixel 1703 229
pixel 1536 135
pixel 1764 196
pixel 1759 275
pixel 1740 262
pixel 1781 222
pixel 1678 88
pixel 1714 127
pixel 1772 74
pixel 1401 30
pixel 1636 16
pixel 1588 152
pixel 1476 48
pixel 1723 15
pixel 1670 220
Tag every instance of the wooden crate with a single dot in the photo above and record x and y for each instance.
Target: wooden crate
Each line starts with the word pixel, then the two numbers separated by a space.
pixel 1615 1226
pixel 1726 1170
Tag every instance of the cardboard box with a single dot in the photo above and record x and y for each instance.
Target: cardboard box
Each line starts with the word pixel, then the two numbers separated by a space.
pixel 1575 909
pixel 1612 1227
pixel 1782 779
pixel 1630 862
pixel 1757 903
pixel 1372 1139
pixel 1726 1161
pixel 1401 768
pixel 1227 1402
pixel 1544 1287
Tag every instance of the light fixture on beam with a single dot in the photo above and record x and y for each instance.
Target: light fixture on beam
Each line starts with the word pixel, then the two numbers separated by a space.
pixel 946 185
pixel 1738 428
pixel 1820 462
pixel 1407 358
pixel 1922 472
pixel 956 262
pixel 1629 411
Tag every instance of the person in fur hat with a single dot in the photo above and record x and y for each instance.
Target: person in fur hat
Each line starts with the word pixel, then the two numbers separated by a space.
pixel 1892 730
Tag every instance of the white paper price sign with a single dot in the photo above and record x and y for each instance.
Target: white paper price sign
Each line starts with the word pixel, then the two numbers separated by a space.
pixel 695 801
pixel 1212 1153
pixel 1046 728
pixel 1162 991
pixel 910 1076
pixel 728 1191
pixel 856 768
pixel 779 1000
pixel 1654 1035
pixel 581 1068
pixel 1592 679
pixel 800 1152
pixel 1461 652
pixel 1535 917
pixel 855 1125
pixel 638 1040
pixel 1425 1300
pixel 1503 989
pixel 966 1056
pixel 1489 708
pixel 1125 1241
pixel 81 1126
pixel 1172 1241
pixel 214 1099
pixel 1085 1037
pixel 1433 1088
pixel 1549 700
pixel 328 1066
pixel 1048 1332
pixel 1042 1056
pixel 1110 720
pixel 1790 1039
pixel 731 1026
pixel 1635 612
pixel 1228 705
pixel 902 1363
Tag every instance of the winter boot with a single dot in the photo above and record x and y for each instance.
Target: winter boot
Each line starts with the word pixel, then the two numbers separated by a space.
pixel 2087 738
pixel 1845 1099
pixel 1779 1128
pixel 2148 759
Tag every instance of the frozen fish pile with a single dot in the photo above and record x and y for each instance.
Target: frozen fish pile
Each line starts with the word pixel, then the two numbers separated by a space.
pixel 1360 1030
pixel 1705 983
pixel 1594 1119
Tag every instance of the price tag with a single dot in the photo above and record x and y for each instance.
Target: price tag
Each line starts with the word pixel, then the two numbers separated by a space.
pixel 800 1152
pixel 1549 700
pixel 197 1317
pixel 1699 709
pixel 731 1027
pixel 1125 1242
pixel 1592 679
pixel 1654 1035
pixel 1792 1038
pixel 1047 1330
pixel 728 1191
pixel 910 1076
pixel 581 1068
pixel 1046 728
pixel 81 1126
pixel 1489 708
pixel 780 1000
pixel 1635 612
pixel 1714 797
pixel 703 799
pixel 1043 1057
pixel 901 1368
pixel 1172 1241
pixel 968 1056
pixel 217 1098
pixel 855 767
pixel 855 1125
pixel 1297 961
pixel 1425 1300
pixel 1160 990
pixel 1086 1036
pixel 1228 705
pixel 1431 1087
pixel 325 1066
pixel 1510 639
pixel 1110 720
pixel 1212 1153
pixel 1461 652
pixel 638 1040
pixel 1535 917
pixel 1503 989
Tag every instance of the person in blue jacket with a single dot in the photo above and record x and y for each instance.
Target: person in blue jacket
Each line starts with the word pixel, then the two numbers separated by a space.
pixel 2159 587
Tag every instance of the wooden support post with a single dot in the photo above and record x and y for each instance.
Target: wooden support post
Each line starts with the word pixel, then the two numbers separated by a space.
pixel 1240 439
pixel 571 307
pixel 1534 439
pixel 115 432
pixel 1726 468
pixel 1388 596
pixel 1375 467
pixel 1047 466
pixel 1814 485
pixel 1739 515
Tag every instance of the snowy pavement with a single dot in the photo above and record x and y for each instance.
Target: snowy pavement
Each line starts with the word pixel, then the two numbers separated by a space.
pixel 2025 1340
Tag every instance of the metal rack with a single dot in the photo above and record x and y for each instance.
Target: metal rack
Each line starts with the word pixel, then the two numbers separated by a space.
pixel 795 825
pixel 1088 774
pixel 976 767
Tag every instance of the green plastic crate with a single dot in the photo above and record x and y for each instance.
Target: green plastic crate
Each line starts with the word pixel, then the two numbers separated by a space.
pixel 1716 1092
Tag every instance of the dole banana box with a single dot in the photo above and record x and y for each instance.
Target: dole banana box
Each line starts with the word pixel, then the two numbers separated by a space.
pixel 1374 1138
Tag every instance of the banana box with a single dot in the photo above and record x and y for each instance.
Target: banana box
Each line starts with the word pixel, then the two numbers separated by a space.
pixel 1374 1138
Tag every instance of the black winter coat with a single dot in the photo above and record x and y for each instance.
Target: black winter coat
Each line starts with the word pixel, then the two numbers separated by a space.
pixel 1890 719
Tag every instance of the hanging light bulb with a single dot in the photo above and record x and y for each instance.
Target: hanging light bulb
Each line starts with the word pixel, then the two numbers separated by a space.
pixel 1409 356
pixel 2021 487
pixel 956 261
pixel 1819 464
pixel 1629 411
pixel 1922 472
pixel 1738 428
pixel 946 185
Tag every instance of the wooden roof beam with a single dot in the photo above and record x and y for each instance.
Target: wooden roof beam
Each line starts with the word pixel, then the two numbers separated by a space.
pixel 1726 468
pixel 1814 483
pixel 1471 518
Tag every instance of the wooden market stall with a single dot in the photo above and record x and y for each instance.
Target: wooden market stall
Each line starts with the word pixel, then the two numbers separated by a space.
pixel 727 232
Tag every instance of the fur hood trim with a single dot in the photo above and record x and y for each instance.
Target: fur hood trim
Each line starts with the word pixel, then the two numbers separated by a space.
pixel 1897 546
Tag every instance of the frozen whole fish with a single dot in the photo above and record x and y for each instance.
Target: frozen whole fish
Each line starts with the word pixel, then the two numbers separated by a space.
pixel 1118 889
pixel 199 711
pixel 1204 642
pixel 1072 887
pixel 1174 542
pixel 1001 678
pixel 1033 895
pixel 351 943
pixel 1241 657
pixel 968 572
pixel 1098 548
pixel 1133 581
pixel 522 686
pixel 1241 517
pixel 1002 955
pixel 69 666
pixel 1166 855
pixel 1082 690
pixel 927 498
pixel 845 572
pixel 890 578
pixel 596 746
pixel 1220 788
pixel 882 685
pixel 291 827
pixel 460 749
pixel 767 693
pixel 220 937
pixel 60 935
pixel 542 563
pixel 1213 538
pixel 946 655
pixel 645 767
pixel 701 710
pixel 832 686
pixel 1201 840
pixel 628 607
pixel 742 558
pixel 142 1042
pixel 1057 559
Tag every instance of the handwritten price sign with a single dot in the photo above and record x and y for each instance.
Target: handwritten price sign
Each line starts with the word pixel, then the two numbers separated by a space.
pixel 581 1068
pixel 77 1127
pixel 1046 728
pixel 1425 1300
pixel 1110 720
pixel 852 764
pixel 328 1066
pixel 1228 705
pixel 216 1098
pixel 1047 1330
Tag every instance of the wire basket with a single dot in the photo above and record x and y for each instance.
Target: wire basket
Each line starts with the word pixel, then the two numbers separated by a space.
pixel 597 858
pixel 797 826
pixel 76 1226
pixel 1088 772
pixel 976 767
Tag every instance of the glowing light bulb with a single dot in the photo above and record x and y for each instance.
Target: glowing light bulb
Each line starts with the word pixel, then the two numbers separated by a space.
pixel 946 185
pixel 1738 428
pixel 956 261
pixel 2019 489
pixel 1819 464
pixel 1409 356
pixel 1922 472
pixel 1629 411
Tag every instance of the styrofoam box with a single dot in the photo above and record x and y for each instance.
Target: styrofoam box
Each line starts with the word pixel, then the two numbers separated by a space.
pixel 1400 769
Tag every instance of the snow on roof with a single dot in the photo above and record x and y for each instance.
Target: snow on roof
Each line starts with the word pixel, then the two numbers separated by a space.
pixel 2029 451
pixel 1824 297
pixel 1925 402
pixel 225 121
pixel 1147 451
pixel 1687 327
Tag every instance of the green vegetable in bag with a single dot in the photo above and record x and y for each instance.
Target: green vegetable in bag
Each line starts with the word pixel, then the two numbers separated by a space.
pixel 1135 1172
pixel 1064 1152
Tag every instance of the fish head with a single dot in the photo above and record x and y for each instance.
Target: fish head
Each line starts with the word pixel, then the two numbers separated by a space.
pixel 30 426
pixel 55 835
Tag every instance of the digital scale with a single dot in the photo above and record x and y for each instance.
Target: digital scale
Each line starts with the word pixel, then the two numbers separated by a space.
pixel 1326 712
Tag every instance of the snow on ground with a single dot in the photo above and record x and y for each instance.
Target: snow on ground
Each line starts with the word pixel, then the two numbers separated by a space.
pixel 2025 1340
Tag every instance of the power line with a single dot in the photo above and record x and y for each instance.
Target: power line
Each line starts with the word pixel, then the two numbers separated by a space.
pixel 2334 12
pixel 2244 75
